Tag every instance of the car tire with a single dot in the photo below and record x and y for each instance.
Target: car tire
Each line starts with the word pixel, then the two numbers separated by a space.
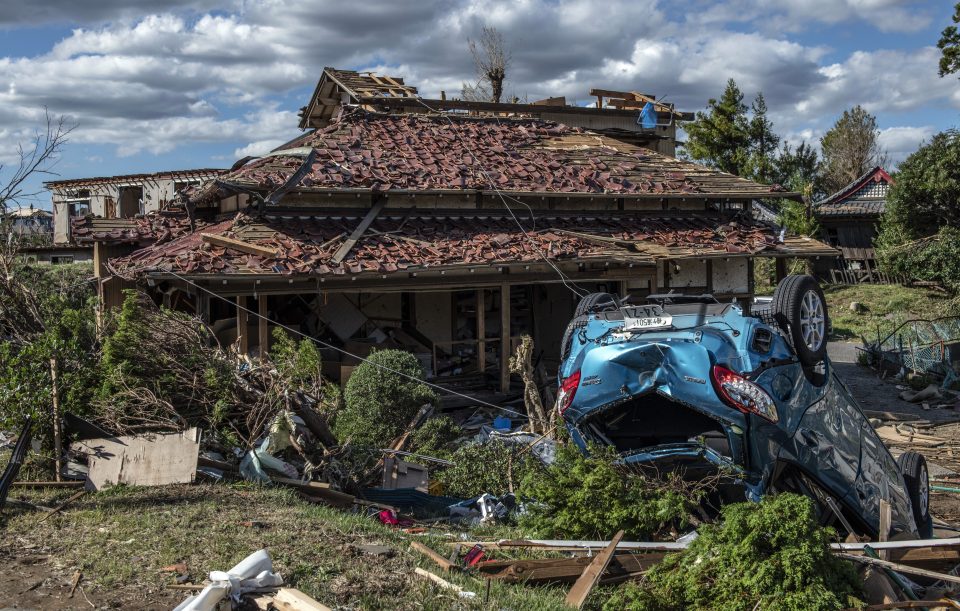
pixel 566 343
pixel 595 303
pixel 913 466
pixel 800 309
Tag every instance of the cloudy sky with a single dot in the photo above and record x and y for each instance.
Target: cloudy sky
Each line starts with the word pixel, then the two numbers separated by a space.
pixel 170 84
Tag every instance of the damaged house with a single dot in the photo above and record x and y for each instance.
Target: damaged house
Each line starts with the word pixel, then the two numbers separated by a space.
pixel 449 229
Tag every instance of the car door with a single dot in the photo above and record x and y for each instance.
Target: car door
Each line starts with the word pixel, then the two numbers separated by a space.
pixel 827 440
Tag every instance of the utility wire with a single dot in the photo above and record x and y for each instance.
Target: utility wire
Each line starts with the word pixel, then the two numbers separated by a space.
pixel 350 354
pixel 570 284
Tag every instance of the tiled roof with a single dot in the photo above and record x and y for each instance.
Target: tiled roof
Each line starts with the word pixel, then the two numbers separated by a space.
pixel 157 227
pixel 853 207
pixel 419 152
pixel 398 243
pixel 196 174
pixel 864 196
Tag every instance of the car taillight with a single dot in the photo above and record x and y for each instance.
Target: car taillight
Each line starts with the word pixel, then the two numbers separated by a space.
pixel 568 389
pixel 742 394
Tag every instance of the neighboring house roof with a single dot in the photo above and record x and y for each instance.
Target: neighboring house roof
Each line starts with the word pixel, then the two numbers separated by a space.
pixel 30 213
pixel 195 174
pixel 398 241
pixel 864 197
pixel 373 152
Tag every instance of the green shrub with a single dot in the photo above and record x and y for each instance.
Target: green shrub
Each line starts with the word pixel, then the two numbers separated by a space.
pixel 592 497
pixel 436 437
pixel 486 467
pixel 383 394
pixel 933 259
pixel 298 363
pixel 768 555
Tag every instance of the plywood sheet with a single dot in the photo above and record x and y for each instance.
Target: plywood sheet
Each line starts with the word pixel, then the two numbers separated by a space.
pixel 153 460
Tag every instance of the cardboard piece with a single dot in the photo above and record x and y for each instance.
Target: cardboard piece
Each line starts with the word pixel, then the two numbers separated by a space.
pixel 149 460
pixel 402 474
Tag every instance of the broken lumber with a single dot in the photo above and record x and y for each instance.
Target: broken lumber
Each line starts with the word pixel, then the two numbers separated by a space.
pixel 900 568
pixel 292 599
pixel 239 245
pixel 138 460
pixel 565 570
pixel 581 589
pixel 61 507
pixel 63 484
pixel 445 564
pixel 675 546
pixel 443 583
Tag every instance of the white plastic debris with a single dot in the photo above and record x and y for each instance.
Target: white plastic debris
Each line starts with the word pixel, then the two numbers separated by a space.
pixel 254 571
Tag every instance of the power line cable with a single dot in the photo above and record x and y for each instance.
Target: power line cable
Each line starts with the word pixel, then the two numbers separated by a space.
pixel 567 282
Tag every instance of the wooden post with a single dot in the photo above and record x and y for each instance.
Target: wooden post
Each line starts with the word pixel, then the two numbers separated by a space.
pixel 505 338
pixel 886 517
pixel 481 331
pixel 243 325
pixel 781 264
pixel 262 329
pixel 55 395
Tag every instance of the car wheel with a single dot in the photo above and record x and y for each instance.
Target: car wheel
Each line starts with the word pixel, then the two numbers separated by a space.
pixel 800 309
pixel 597 302
pixel 913 466
pixel 566 345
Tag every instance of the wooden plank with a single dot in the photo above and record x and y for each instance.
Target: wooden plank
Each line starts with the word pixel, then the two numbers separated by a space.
pixel 349 243
pixel 443 583
pixel 555 570
pixel 900 568
pixel 886 517
pixel 442 562
pixel 505 338
pixel 239 245
pixel 61 506
pixel 63 484
pixel 263 332
pixel 158 460
pixel 581 590
pixel 292 599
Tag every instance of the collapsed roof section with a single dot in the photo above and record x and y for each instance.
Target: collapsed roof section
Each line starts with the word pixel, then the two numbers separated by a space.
pixel 384 153
pixel 405 242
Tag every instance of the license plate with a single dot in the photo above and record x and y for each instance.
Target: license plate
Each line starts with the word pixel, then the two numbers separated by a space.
pixel 642 318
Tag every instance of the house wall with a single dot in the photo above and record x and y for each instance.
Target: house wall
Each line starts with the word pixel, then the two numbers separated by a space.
pixel 731 275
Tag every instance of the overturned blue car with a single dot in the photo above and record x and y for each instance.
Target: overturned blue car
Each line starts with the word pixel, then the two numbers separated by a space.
pixel 689 384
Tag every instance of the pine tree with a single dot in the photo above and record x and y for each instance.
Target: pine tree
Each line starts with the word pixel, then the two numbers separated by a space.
pixel 849 149
pixel 763 143
pixel 796 169
pixel 949 45
pixel 720 137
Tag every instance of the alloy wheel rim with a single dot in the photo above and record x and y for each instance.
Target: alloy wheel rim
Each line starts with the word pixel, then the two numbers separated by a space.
pixel 812 320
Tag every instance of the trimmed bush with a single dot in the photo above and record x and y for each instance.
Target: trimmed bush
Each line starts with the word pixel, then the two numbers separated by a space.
pixel 382 396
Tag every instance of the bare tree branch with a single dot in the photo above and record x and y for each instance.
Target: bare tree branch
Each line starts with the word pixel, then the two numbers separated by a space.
pixel 492 58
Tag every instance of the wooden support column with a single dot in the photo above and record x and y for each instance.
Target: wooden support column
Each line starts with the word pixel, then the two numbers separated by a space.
pixel 781 265
pixel 709 272
pixel 243 325
pixel 505 338
pixel 481 331
pixel 751 286
pixel 263 331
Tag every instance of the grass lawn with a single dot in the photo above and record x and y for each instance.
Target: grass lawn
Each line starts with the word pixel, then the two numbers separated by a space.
pixel 122 537
pixel 887 305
